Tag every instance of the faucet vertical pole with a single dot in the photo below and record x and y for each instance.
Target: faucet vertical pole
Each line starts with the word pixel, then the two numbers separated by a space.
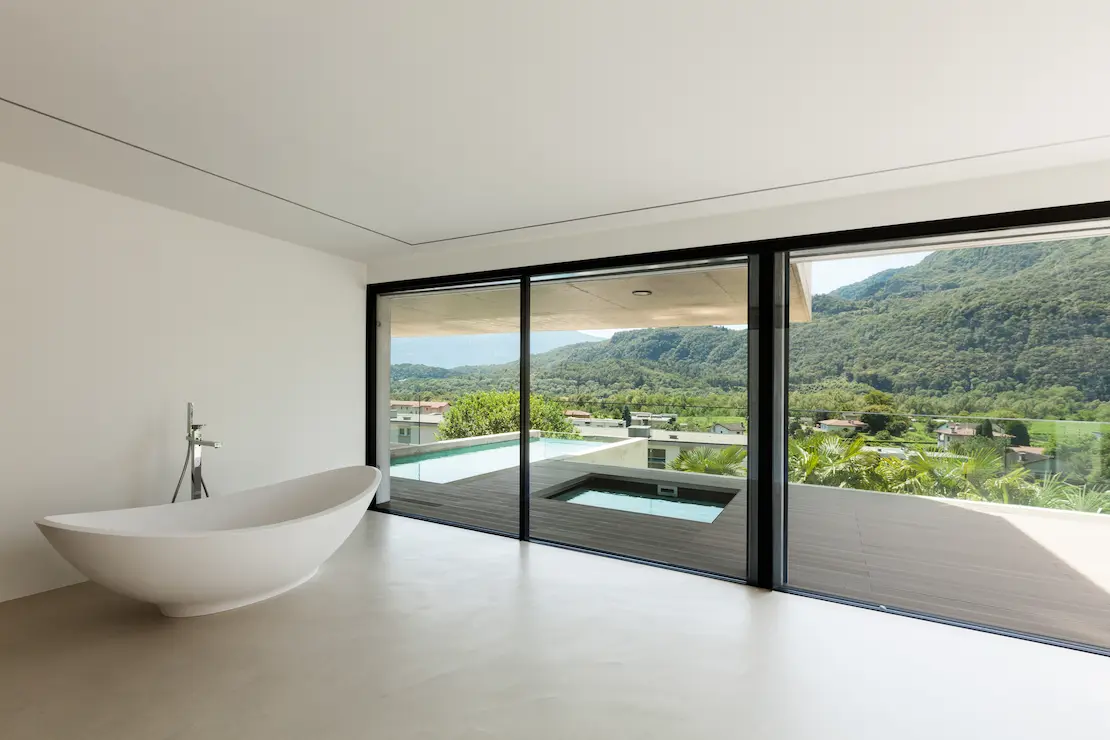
pixel 195 490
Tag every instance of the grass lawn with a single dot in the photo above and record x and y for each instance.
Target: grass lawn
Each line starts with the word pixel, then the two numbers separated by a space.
pixel 1059 427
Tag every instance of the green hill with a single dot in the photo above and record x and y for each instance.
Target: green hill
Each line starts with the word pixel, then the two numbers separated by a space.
pixel 1017 328
pixel 1031 319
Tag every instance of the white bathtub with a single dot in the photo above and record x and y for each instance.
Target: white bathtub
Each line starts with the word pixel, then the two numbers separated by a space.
pixel 207 556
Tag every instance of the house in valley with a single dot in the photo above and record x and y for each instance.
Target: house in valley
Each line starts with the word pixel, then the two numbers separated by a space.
pixel 842 426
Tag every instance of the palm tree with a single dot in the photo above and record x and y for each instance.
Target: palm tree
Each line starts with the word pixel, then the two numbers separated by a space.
pixel 1084 499
pixel 1013 488
pixel 973 475
pixel 830 460
pixel 1056 493
pixel 729 461
pixel 924 474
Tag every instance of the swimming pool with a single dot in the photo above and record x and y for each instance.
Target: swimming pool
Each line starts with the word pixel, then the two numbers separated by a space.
pixel 637 503
pixel 466 462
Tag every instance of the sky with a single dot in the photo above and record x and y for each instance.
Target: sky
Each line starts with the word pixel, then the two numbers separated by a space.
pixel 830 274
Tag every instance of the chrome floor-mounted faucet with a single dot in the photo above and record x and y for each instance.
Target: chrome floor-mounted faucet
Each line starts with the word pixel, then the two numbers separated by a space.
pixel 193 458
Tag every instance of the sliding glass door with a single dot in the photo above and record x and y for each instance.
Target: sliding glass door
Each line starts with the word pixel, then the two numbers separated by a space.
pixel 949 432
pixel 453 405
pixel 921 426
pixel 639 410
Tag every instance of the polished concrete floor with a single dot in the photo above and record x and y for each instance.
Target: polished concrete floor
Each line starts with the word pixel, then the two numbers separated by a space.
pixel 418 630
pixel 1035 571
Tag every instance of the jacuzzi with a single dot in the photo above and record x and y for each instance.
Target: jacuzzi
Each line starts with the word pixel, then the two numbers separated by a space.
pixel 214 554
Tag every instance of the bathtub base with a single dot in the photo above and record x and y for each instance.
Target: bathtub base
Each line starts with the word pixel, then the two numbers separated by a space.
pixel 199 610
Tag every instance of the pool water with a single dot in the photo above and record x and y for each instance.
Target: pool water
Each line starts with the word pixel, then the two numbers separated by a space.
pixel 467 462
pixel 675 508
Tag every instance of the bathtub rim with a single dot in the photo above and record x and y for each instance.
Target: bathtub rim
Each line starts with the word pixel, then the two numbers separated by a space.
pixel 369 491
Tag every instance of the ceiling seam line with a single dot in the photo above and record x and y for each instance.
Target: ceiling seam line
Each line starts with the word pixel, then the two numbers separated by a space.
pixel 594 295
pixel 775 188
pixel 202 170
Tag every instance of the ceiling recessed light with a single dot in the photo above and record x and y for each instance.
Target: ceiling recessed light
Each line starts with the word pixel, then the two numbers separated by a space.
pixel 641 292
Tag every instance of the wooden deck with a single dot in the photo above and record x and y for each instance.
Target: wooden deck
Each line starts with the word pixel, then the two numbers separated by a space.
pixel 910 552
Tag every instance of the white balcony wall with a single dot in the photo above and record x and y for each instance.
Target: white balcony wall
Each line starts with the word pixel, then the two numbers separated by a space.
pixel 113 314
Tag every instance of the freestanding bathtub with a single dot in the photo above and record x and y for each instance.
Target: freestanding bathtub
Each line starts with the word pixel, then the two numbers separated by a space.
pixel 214 554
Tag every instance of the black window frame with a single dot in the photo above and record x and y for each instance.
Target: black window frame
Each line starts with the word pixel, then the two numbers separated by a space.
pixel 768 367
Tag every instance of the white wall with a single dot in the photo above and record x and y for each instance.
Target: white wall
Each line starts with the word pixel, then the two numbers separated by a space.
pixel 113 314
pixel 420 433
pixel 1083 183
pixel 629 453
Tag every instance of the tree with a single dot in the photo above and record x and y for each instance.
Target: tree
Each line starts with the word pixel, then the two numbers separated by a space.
pixel 498 412
pixel 898 425
pixel 876 418
pixel 1076 455
pixel 878 398
pixel 1018 431
pixel 626 414
pixel 830 460
pixel 884 418
pixel 1103 472
pixel 727 461
pixel 985 429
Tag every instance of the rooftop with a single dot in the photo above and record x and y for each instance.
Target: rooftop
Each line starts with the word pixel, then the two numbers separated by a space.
pixel 732 427
pixel 966 430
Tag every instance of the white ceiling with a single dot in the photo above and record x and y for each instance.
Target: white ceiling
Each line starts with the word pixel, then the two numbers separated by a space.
pixel 365 128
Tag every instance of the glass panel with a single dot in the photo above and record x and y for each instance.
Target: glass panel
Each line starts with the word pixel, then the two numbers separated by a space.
pixel 454 411
pixel 639 406
pixel 949 447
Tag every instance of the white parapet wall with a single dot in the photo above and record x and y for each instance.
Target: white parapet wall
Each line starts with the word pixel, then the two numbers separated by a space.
pixel 455 444
pixel 628 453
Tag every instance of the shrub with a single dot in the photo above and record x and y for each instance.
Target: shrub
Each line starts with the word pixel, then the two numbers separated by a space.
pixel 498 412
pixel 1018 431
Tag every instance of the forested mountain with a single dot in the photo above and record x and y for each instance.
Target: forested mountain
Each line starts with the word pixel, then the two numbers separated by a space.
pixel 991 320
pixel 1018 327
pixel 686 360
